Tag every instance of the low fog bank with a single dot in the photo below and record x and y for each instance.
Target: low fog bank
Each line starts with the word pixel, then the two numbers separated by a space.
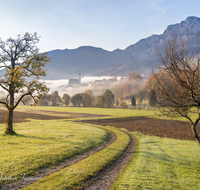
pixel 62 87
pixel 124 86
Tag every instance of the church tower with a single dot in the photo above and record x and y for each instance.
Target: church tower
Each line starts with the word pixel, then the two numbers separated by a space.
pixel 79 77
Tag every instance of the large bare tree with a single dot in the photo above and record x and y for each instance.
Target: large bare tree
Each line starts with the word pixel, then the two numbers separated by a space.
pixel 178 80
pixel 20 60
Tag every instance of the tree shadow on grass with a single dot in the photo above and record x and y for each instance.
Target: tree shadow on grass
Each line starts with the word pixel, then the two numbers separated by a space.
pixel 159 157
pixel 90 142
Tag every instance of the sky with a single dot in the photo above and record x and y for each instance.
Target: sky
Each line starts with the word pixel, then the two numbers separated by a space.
pixel 108 24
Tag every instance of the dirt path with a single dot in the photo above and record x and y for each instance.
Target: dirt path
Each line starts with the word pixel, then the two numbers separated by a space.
pixel 108 175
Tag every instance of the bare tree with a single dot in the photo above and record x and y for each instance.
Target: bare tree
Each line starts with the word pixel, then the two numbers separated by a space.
pixel 178 89
pixel 20 59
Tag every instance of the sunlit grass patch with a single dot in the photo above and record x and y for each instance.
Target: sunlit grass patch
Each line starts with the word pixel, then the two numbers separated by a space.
pixel 43 143
pixel 90 110
pixel 108 112
pixel 162 163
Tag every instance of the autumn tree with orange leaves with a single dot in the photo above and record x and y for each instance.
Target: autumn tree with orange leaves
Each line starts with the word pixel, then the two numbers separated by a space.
pixel 20 60
pixel 178 79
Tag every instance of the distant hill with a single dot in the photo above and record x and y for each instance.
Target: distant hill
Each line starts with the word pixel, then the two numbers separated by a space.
pixel 66 63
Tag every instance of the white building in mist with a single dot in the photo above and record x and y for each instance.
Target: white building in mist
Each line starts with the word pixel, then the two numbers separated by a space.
pixel 75 82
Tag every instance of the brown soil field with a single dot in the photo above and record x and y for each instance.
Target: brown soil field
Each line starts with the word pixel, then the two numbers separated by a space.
pixel 150 126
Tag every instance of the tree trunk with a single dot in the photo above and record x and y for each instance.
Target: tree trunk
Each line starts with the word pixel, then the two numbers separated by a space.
pixel 195 131
pixel 9 129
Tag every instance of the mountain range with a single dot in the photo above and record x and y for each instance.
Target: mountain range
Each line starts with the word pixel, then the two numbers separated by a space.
pixel 140 57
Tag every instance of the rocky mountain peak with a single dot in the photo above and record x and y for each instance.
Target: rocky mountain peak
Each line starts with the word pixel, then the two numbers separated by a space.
pixel 145 48
pixel 190 26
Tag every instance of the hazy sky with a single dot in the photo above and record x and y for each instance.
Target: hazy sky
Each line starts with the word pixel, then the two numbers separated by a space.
pixel 109 24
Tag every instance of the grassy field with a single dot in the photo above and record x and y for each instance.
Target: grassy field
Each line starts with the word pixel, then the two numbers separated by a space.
pixel 111 113
pixel 162 163
pixel 159 163
pixel 44 143
pixel 89 110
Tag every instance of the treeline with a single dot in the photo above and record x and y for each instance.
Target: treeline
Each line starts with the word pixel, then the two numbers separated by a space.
pixel 86 99
pixel 132 88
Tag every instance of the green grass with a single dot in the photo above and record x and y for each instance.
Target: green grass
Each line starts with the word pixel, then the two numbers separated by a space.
pixel 162 163
pixel 43 143
pixel 89 110
pixel 74 176
pixel 159 163
pixel 111 113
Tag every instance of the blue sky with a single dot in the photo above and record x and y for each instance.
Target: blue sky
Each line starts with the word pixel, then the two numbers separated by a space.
pixel 109 24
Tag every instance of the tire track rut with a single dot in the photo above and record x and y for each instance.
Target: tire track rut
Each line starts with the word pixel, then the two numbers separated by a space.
pixel 108 175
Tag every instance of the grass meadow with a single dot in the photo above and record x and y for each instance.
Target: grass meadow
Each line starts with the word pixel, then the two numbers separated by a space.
pixel 106 112
pixel 44 143
pixel 158 163
pixel 162 163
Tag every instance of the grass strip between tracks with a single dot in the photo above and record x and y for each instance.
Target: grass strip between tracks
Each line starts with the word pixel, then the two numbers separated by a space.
pixel 74 176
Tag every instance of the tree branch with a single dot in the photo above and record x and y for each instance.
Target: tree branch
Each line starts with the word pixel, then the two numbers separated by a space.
pixel 7 106
pixel 21 99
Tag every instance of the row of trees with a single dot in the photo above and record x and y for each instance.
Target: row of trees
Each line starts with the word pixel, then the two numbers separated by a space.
pixel 86 99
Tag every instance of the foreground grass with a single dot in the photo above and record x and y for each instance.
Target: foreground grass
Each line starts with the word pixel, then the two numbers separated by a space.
pixel 74 176
pixel 43 143
pixel 162 163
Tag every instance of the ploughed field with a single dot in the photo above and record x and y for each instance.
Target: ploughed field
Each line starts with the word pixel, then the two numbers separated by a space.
pixel 151 126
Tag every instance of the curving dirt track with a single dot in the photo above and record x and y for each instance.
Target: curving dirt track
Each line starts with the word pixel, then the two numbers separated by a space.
pixel 151 126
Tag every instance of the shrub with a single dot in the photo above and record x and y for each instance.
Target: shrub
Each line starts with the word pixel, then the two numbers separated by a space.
pixel 123 105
